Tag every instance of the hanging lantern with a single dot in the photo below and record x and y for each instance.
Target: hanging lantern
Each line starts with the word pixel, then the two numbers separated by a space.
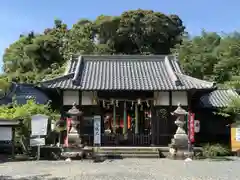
pixel 94 100
pixel 147 104
pixel 150 114
pixel 132 105
pixel 112 101
pixel 154 102
pixel 103 104
pixel 139 101
pixel 116 103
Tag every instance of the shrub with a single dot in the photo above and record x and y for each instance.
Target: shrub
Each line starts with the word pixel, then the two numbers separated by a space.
pixel 215 150
pixel 24 112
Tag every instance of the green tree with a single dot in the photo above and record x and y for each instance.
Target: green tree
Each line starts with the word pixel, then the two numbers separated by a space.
pixel 4 85
pixel 228 55
pixel 25 112
pixel 197 55
pixel 39 56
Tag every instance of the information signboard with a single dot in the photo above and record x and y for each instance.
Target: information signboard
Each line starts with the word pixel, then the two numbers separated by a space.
pixel 238 134
pixel 39 125
pixel 97 130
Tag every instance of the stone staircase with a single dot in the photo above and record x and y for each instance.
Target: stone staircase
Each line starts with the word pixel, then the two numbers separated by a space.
pixel 131 152
pixel 117 152
pixel 77 152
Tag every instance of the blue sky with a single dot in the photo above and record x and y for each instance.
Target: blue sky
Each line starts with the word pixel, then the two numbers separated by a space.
pixel 21 16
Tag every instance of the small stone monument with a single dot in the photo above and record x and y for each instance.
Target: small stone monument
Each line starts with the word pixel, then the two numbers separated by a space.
pixel 179 144
pixel 74 130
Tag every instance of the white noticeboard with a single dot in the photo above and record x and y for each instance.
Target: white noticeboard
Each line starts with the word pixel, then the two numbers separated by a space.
pixel 197 126
pixel 5 133
pixel 97 130
pixel 39 125
pixel 37 142
pixel 237 134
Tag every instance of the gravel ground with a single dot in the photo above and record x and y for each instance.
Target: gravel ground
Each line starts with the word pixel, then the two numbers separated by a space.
pixel 130 169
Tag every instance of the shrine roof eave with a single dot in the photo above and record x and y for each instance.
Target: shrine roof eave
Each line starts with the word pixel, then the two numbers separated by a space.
pixel 126 73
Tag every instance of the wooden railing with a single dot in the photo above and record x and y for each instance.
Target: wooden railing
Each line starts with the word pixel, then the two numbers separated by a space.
pixel 129 140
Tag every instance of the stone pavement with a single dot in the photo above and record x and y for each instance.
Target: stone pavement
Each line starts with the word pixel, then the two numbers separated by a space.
pixel 126 169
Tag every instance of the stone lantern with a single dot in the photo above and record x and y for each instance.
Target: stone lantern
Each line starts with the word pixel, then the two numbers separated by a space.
pixel 74 129
pixel 179 144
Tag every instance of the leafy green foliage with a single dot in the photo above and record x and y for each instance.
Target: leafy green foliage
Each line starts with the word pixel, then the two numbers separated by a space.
pixel 233 109
pixel 25 112
pixel 211 151
pixel 4 85
pixel 41 56
pixel 211 56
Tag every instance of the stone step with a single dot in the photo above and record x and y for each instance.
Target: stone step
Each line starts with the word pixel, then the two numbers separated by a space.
pixel 125 155
pixel 127 152
pixel 118 148
pixel 141 152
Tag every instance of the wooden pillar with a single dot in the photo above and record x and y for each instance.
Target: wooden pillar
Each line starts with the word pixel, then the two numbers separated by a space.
pixel 114 118
pixel 125 118
pixel 61 94
pixel 13 142
pixel 152 124
pixel 136 118
pixel 171 123
pixel 189 99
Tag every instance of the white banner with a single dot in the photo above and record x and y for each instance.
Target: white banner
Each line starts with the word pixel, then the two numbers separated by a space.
pixel 97 130
pixel 197 126
pixel 39 125
pixel 5 133
pixel 37 142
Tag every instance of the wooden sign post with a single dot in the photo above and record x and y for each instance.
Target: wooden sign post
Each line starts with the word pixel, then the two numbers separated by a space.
pixel 39 126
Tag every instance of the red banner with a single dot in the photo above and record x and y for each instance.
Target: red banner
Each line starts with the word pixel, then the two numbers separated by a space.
pixel 68 123
pixel 191 131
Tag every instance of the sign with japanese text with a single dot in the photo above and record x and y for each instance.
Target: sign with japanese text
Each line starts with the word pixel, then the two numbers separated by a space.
pixel 5 133
pixel 97 130
pixel 191 129
pixel 39 125
pixel 238 134
pixel 37 142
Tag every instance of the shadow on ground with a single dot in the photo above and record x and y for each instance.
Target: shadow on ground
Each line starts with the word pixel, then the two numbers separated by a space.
pixel 37 177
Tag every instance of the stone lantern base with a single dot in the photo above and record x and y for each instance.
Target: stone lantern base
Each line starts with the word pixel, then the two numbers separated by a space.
pixel 179 154
pixel 178 149
pixel 179 145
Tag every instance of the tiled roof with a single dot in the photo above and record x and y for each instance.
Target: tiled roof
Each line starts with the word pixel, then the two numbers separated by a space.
pixel 22 92
pixel 62 82
pixel 71 66
pixel 9 122
pixel 126 72
pixel 218 98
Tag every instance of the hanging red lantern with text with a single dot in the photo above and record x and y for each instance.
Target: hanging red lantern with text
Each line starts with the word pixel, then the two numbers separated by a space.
pixel 191 129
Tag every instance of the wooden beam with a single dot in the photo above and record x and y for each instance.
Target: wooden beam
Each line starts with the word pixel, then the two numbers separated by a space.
pixel 136 119
pixel 13 142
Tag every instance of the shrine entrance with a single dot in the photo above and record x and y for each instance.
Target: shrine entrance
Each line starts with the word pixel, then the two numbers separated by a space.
pixel 127 120
pixel 126 123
